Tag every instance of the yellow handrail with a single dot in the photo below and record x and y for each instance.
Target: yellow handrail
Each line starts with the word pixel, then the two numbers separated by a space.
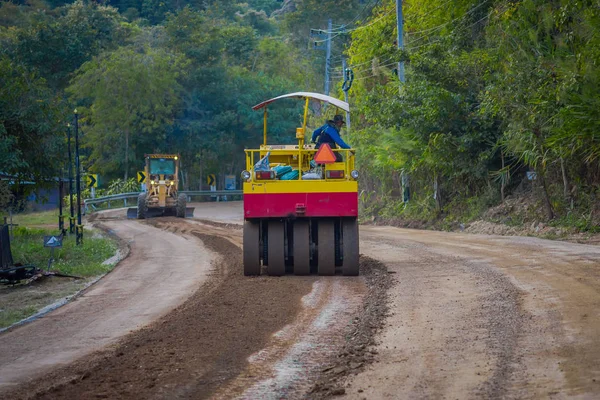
pixel 265 127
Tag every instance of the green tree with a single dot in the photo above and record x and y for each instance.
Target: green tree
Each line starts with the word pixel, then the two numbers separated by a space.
pixel 31 135
pixel 131 96
pixel 57 46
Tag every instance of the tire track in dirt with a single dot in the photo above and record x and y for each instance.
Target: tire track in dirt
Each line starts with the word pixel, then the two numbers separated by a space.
pixel 109 309
pixel 260 337
pixel 453 329
pixel 193 350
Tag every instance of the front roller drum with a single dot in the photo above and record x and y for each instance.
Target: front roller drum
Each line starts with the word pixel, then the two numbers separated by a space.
pixel 276 248
pixel 251 248
pixel 326 247
pixel 350 246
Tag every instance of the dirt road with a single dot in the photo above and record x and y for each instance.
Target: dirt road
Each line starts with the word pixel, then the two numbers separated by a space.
pixel 485 317
pixel 468 317
pixel 123 301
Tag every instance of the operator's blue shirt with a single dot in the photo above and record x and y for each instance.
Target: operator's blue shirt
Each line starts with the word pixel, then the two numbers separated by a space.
pixel 333 134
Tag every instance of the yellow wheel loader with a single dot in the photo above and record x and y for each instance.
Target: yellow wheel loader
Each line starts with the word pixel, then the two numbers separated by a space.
pixel 161 197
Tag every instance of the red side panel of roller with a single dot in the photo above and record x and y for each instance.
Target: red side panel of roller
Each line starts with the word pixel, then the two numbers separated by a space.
pixel 274 205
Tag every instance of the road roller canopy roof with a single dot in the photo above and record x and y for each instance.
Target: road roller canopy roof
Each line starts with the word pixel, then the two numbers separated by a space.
pixel 307 95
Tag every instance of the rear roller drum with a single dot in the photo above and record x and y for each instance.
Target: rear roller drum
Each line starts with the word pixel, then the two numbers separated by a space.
pixel 326 247
pixel 301 248
pixel 251 248
pixel 350 246
pixel 276 248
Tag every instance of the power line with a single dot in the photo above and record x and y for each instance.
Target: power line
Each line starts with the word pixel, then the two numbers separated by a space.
pixel 343 31
pixel 425 30
pixel 439 27
pixel 414 47
pixel 457 27
pixel 437 8
pixel 426 44
pixel 369 24
pixel 371 67
pixel 360 13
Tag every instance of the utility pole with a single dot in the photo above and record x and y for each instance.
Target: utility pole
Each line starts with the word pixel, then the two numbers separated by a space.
pixel 405 178
pixel 400 38
pixel 328 57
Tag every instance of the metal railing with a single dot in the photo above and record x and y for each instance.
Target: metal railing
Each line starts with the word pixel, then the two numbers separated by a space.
pixel 134 195
pixel 112 197
pixel 209 193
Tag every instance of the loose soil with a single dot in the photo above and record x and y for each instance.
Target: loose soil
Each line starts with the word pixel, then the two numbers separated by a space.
pixel 357 351
pixel 191 351
pixel 121 302
pixel 475 316
pixel 433 315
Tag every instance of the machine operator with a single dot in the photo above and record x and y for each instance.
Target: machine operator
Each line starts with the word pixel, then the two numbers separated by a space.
pixel 330 134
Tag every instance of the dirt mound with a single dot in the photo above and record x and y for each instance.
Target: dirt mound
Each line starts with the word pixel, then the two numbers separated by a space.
pixel 357 351
pixel 491 228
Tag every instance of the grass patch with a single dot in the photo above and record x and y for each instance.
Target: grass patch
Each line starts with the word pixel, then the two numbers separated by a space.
pixel 85 260
pixel 582 222
pixel 9 317
pixel 37 218
pixel 22 301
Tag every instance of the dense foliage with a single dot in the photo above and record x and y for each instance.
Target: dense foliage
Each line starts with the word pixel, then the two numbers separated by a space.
pixel 146 76
pixel 495 91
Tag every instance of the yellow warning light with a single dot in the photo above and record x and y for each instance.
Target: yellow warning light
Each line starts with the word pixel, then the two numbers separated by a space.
pixel 325 155
pixel 176 157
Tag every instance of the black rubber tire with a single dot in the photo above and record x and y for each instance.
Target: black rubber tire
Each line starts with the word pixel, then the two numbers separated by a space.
pixel 142 207
pixel 350 264
pixel 251 248
pixel 326 247
pixel 301 248
pixel 181 205
pixel 276 248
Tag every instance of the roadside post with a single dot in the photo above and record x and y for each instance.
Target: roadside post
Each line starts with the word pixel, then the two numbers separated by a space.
pixel 52 242
pixel 79 227
pixel 141 178
pixel 92 183
pixel 230 184
pixel 61 217
pixel 211 179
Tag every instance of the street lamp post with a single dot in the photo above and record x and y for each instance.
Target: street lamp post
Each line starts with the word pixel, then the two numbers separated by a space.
pixel 79 227
pixel 71 205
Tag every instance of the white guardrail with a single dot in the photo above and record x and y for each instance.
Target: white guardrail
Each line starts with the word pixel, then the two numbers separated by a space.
pixel 134 195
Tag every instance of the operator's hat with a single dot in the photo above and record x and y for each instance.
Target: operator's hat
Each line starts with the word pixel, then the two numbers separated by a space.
pixel 338 118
